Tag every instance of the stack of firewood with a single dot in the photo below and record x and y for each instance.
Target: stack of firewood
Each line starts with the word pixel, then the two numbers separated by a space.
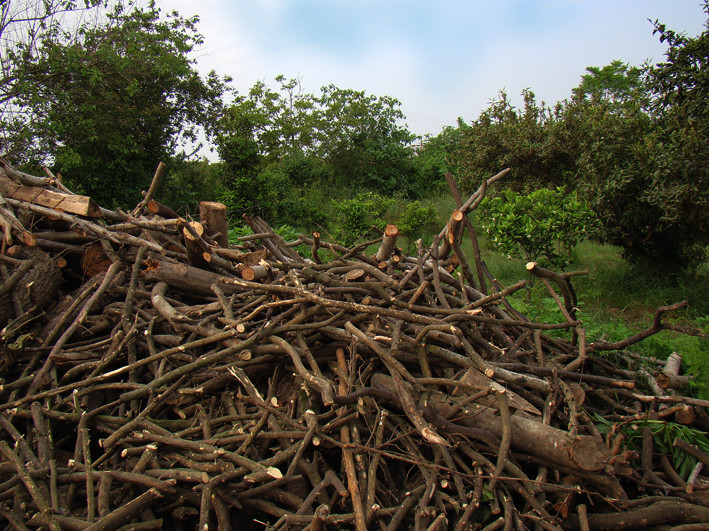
pixel 154 376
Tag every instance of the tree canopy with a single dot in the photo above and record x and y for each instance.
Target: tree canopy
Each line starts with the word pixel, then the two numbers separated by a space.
pixel 109 101
pixel 630 140
pixel 276 143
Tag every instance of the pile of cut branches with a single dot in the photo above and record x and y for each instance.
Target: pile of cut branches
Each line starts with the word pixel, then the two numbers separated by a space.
pixel 154 376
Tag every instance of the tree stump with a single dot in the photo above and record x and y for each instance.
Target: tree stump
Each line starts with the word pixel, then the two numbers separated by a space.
pixel 213 216
pixel 37 286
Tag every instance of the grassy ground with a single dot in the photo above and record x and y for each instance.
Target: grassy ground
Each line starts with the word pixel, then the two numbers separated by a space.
pixel 617 300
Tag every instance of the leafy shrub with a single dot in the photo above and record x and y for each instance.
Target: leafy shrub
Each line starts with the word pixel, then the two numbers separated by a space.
pixel 239 196
pixel 542 224
pixel 417 220
pixel 360 216
pixel 663 433
pixel 186 183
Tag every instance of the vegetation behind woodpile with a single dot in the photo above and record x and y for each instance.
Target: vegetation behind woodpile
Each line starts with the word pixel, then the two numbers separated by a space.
pixel 104 101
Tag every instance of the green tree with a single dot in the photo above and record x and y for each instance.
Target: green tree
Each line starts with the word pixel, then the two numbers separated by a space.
pixel 439 154
pixel 187 182
pixel 25 25
pixel 618 82
pixel 362 138
pixel 287 152
pixel 631 141
pixel 116 98
pixel 642 160
pixel 542 224
pixel 602 129
pixel 504 136
pixel 280 121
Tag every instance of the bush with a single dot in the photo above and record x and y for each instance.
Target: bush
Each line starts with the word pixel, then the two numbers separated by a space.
pixel 289 191
pixel 542 224
pixel 187 183
pixel 360 217
pixel 416 221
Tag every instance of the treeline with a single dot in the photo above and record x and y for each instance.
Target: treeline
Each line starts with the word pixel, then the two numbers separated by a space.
pixel 101 99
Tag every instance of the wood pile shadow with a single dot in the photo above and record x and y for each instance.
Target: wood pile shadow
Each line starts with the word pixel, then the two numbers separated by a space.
pixel 153 376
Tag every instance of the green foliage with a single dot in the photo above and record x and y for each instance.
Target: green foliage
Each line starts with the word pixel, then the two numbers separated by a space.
pixel 438 155
pixel 631 141
pixel 288 233
pixel 289 191
pixel 681 84
pixel 108 103
pixel 186 183
pixel 360 217
pixel 504 136
pixel 544 223
pixel 663 434
pixel 237 231
pixel 416 221
pixel 642 178
pixel 617 82
pixel 339 139
pixel 360 136
pixel 25 27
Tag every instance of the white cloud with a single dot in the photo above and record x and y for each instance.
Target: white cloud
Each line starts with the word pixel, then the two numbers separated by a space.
pixel 440 60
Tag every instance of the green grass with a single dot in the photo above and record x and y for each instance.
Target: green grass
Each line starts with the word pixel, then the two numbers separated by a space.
pixel 617 300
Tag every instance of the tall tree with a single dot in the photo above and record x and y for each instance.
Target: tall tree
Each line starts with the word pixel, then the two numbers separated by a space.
pixel 25 25
pixel 642 159
pixel 362 136
pixel 113 100
pixel 520 138
pixel 351 138
pixel 617 82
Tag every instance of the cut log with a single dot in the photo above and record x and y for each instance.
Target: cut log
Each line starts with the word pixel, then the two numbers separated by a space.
pixel 73 204
pixel 161 210
pixel 452 230
pixel 248 259
pixel 670 377
pixel 213 216
pixel 391 233
pixel 194 246
pixel 182 276
pixel 255 272
pixel 580 452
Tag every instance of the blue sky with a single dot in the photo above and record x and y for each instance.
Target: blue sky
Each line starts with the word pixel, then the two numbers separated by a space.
pixel 441 59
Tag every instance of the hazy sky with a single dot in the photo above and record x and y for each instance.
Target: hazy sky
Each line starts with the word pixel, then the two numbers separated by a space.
pixel 442 59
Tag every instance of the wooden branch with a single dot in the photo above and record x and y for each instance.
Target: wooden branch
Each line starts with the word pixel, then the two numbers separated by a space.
pixel 657 513
pixel 157 177
pixel 391 233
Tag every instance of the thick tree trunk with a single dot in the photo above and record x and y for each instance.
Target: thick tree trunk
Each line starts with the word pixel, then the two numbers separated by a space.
pixel 196 255
pixel 213 216
pixel 73 204
pixel 35 280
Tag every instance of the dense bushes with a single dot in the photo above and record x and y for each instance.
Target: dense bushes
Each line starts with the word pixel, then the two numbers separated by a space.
pixel 631 142
pixel 542 224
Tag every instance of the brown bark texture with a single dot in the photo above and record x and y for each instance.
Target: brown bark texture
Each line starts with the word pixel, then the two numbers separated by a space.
pixel 162 378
